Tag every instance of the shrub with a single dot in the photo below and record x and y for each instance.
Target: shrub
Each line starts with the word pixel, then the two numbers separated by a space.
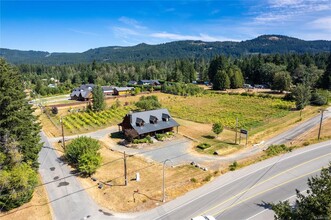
pixel 233 166
pixel 89 162
pixel 55 110
pixel 193 180
pixel 318 99
pixel 80 146
pixel 203 146
pixel 17 185
pixel 274 150
pixel 207 178
pixel 147 139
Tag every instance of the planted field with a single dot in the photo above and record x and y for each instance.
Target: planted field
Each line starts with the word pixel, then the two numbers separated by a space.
pixel 251 111
pixel 82 121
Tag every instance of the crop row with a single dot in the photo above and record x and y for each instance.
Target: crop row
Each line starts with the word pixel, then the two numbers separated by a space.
pixel 84 120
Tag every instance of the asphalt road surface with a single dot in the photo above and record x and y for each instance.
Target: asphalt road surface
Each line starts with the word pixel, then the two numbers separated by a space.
pixel 244 194
pixel 235 195
pixel 68 199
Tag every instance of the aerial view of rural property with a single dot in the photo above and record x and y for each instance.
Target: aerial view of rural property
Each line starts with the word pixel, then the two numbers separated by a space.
pixel 165 109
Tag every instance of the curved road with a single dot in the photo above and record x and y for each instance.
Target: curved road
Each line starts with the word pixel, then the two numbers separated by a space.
pixel 243 194
pixel 223 197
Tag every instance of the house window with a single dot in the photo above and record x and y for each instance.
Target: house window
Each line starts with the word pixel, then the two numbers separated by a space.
pixel 165 117
pixel 140 122
pixel 152 119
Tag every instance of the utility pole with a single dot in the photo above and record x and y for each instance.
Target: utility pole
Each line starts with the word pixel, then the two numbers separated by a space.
pixel 63 143
pixel 320 128
pixel 163 184
pixel 125 171
pixel 235 140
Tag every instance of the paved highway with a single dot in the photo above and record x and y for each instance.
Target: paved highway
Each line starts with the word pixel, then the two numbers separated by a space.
pixel 243 194
pixel 235 195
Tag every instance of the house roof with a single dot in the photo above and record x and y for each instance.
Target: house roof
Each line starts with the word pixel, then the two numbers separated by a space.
pixel 148 126
pixel 107 88
pixel 123 88
pixel 148 81
pixel 83 90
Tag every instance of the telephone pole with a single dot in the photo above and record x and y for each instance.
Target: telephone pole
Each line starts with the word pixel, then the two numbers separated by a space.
pixel 125 171
pixel 235 140
pixel 63 143
pixel 321 121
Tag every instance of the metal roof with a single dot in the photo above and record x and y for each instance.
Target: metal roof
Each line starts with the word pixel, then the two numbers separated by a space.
pixel 149 127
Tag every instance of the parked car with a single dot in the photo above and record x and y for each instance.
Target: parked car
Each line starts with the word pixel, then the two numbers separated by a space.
pixel 203 217
pixel 248 86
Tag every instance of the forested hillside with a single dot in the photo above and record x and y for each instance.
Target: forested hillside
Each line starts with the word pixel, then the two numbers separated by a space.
pixel 265 44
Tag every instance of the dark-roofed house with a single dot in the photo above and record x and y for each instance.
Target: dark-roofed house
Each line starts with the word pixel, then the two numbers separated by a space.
pixel 149 82
pixel 123 90
pixel 108 90
pixel 140 124
pixel 82 93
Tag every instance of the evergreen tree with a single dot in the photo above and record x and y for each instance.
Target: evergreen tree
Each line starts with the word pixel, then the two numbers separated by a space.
pixel 221 80
pixel 19 141
pixel 17 122
pixel 316 204
pixel 98 99
pixel 325 80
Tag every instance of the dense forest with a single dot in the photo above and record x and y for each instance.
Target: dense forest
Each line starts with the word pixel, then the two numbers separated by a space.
pixel 252 69
pixel 265 44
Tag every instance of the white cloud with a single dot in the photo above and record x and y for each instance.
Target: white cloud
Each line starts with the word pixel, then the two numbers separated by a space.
pixel 321 23
pixel 124 32
pixel 83 32
pixel 132 22
pixel 282 3
pixel 202 37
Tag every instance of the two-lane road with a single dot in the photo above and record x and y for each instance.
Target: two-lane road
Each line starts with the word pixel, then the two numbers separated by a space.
pixel 243 194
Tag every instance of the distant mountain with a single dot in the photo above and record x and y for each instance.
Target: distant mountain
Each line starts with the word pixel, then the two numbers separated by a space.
pixel 264 44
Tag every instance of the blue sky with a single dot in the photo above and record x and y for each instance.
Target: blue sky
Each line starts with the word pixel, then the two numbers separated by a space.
pixel 76 26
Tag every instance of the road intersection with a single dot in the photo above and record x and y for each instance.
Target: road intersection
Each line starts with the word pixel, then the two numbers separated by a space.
pixel 234 195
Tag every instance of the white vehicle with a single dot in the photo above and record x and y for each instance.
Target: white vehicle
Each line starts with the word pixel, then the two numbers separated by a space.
pixel 203 217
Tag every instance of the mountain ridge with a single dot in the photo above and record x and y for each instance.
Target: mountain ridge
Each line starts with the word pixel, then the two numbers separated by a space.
pixel 264 44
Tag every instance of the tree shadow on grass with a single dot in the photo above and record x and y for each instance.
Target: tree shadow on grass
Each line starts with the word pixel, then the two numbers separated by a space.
pixel 208 136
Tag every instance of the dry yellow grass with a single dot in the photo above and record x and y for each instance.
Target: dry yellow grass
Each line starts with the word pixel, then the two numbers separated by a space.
pixel 310 136
pixel 37 208
pixel 142 195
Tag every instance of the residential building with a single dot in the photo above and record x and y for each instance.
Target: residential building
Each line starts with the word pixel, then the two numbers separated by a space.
pixel 140 124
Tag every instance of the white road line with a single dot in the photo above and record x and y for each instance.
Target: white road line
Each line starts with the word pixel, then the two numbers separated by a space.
pixel 265 210
pixel 196 198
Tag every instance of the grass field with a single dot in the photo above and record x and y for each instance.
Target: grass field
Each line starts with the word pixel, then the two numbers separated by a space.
pixel 251 112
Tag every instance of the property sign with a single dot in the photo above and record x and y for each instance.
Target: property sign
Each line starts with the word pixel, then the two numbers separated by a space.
pixel 243 131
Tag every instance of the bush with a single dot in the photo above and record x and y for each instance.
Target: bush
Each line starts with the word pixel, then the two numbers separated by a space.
pixel 89 162
pixel 79 147
pixel 274 150
pixel 318 99
pixel 193 180
pixel 147 139
pixel 233 166
pixel 55 110
pixel 17 186
pixel 207 178
pixel 83 153
pixel 161 137
pixel 203 146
